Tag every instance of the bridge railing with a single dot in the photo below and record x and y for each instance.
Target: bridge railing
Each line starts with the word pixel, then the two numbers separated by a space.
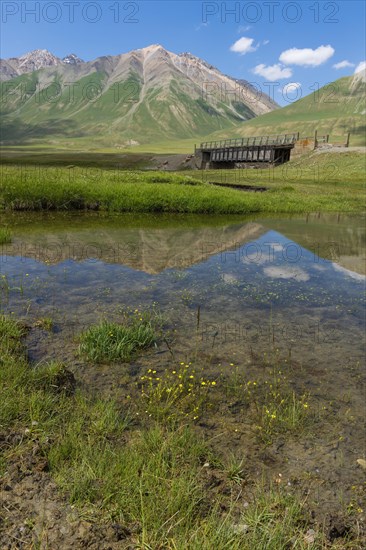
pixel 284 139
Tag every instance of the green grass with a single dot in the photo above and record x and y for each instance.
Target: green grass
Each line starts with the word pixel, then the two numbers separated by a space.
pixel 27 395
pixel 84 146
pixel 316 182
pixel 148 478
pixel 5 236
pixel 45 323
pixel 112 342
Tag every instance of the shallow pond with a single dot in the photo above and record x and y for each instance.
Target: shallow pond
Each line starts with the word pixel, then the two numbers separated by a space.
pixel 292 282
pixel 237 294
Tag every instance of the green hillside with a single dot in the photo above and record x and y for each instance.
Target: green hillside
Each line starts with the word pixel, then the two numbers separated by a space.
pixel 335 109
pixel 174 111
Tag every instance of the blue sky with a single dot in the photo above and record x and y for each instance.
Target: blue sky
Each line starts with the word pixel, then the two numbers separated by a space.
pixel 271 43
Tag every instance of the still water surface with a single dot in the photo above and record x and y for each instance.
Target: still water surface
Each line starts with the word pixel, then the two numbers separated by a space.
pixel 296 283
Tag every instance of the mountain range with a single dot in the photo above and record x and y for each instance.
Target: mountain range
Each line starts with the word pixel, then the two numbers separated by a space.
pixel 33 61
pixel 145 95
pixel 152 96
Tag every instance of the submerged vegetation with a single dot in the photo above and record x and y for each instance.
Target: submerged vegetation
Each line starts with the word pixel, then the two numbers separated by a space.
pixel 5 236
pixel 178 393
pixel 327 182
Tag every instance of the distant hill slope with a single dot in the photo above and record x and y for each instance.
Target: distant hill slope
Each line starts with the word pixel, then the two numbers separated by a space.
pixel 335 109
pixel 144 96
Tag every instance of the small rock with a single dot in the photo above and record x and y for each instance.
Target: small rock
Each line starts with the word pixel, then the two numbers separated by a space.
pixel 361 462
pixel 240 528
pixel 309 537
pixel 83 529
pixel 64 530
pixel 120 532
pixel 206 465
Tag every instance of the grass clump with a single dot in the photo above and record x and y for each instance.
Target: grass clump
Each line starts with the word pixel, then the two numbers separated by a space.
pixel 235 470
pixel 274 405
pixel 28 395
pixel 45 323
pixel 5 236
pixel 152 479
pixel 178 393
pixel 109 341
pixel 283 412
pixel 275 520
pixel 279 409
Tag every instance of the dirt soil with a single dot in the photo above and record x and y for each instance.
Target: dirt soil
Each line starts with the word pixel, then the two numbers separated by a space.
pixel 34 514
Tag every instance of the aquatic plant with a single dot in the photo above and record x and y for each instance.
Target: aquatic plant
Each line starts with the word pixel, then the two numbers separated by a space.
pixel 178 393
pixel 110 341
pixel 45 323
pixel 279 409
pixel 5 235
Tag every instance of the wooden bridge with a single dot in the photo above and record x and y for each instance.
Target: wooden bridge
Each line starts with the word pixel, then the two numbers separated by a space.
pixel 229 153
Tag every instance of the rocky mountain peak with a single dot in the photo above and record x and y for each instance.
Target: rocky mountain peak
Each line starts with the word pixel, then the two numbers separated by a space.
pixel 33 61
pixel 189 57
pixel 72 59
pixel 37 59
pixel 151 50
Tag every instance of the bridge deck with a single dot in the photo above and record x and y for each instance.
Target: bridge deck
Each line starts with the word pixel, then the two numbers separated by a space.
pixel 270 149
pixel 285 139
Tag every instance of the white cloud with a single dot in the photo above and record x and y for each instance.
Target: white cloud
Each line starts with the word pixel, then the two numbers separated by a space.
pixel 343 64
pixel 202 26
pixel 243 45
pixel 347 272
pixel 295 273
pixel 291 87
pixel 265 42
pixel 291 92
pixel 244 29
pixel 273 72
pixel 360 67
pixel 307 57
pixel 230 279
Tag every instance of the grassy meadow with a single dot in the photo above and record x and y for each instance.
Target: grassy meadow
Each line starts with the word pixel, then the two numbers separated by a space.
pixel 314 182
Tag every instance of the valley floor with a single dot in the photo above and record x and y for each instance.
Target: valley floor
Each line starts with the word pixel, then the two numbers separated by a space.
pixel 313 182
